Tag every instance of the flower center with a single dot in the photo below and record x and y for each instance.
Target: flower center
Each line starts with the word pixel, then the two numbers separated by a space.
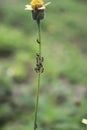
pixel 37 3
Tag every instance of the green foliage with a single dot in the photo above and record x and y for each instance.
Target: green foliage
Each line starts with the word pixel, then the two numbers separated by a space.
pixel 9 39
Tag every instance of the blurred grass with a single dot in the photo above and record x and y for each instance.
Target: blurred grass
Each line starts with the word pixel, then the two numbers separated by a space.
pixel 63 91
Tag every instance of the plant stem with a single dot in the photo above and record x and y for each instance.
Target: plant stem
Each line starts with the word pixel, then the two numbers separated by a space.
pixel 39 76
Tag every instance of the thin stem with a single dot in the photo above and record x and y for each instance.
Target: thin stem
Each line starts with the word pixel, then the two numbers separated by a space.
pixel 39 34
pixel 39 76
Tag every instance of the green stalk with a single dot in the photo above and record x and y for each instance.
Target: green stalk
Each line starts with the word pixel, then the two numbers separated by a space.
pixel 39 76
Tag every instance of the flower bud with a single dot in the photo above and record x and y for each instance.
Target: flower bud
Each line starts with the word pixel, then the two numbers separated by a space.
pixel 38 14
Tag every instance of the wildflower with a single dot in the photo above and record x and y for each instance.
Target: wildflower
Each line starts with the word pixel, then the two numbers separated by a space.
pixel 37 7
pixel 84 121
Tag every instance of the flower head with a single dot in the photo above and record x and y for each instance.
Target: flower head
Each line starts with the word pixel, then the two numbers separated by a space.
pixel 36 4
pixel 37 7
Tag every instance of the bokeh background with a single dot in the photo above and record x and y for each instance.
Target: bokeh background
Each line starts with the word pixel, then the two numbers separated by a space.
pixel 63 92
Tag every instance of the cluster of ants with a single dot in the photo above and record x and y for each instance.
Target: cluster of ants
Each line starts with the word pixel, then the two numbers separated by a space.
pixel 39 64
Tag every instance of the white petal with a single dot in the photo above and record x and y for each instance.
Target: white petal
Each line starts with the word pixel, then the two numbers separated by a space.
pixel 28 7
pixel 47 3
pixel 43 7
pixel 84 121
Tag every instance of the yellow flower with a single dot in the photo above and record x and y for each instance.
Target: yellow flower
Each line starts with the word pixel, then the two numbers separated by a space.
pixel 37 7
pixel 36 3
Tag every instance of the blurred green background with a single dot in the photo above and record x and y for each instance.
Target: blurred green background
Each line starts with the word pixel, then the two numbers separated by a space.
pixel 63 92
